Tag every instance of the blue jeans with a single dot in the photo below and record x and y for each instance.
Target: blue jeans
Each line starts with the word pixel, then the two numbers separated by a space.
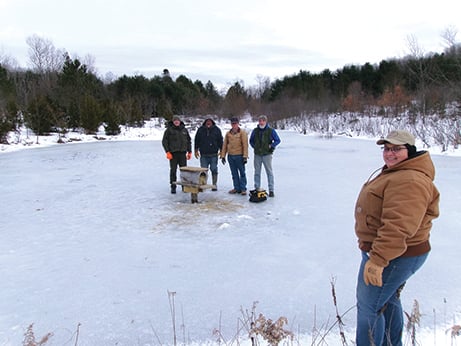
pixel 265 160
pixel 237 168
pixel 379 310
pixel 210 161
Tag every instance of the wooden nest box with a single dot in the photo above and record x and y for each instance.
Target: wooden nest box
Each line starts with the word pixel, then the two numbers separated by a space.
pixel 193 175
pixel 194 180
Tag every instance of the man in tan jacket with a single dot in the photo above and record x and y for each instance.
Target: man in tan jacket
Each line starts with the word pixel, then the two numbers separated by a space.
pixel 235 145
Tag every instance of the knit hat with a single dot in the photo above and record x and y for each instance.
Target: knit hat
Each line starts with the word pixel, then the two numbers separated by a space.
pixel 398 137
pixel 411 150
pixel 175 117
pixel 234 121
pixel 262 117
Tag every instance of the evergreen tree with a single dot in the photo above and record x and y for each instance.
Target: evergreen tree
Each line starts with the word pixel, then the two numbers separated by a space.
pixel 9 120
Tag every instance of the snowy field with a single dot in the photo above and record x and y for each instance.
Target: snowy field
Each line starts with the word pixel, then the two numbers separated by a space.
pixel 93 241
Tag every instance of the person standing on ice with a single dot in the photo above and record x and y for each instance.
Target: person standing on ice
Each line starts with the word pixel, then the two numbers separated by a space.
pixel 393 218
pixel 236 147
pixel 264 139
pixel 207 143
pixel 178 147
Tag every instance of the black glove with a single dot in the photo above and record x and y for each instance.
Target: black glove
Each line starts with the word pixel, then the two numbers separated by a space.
pixel 245 160
pixel 223 160
pixel 271 149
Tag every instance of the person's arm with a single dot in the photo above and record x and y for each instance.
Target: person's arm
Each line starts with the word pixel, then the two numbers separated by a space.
pixel 220 138
pixel 197 140
pixel 252 138
pixel 166 145
pixel 244 143
pixel 165 142
pixel 189 143
pixel 275 139
pixel 224 147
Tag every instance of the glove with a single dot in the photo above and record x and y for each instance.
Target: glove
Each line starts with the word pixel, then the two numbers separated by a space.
pixel 223 160
pixel 197 154
pixel 169 155
pixel 373 274
pixel 245 160
pixel 271 149
pixel 189 155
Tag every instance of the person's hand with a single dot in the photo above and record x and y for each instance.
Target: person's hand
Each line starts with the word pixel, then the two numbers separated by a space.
pixel 223 160
pixel 189 155
pixel 245 160
pixel 169 155
pixel 271 149
pixel 197 154
pixel 373 274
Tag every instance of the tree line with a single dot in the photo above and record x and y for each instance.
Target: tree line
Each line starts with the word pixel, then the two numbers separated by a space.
pixel 59 92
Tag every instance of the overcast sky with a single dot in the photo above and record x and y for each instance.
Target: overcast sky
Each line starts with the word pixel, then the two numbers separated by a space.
pixel 226 41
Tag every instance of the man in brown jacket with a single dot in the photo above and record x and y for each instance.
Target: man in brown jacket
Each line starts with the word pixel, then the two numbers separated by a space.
pixel 393 218
pixel 236 147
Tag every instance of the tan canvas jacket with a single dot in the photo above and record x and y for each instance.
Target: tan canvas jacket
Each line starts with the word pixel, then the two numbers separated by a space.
pixel 235 144
pixel 394 211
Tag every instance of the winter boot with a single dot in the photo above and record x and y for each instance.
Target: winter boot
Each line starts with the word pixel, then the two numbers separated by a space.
pixel 173 188
pixel 214 178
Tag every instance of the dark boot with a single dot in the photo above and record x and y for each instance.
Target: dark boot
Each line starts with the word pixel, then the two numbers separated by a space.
pixel 214 178
pixel 173 188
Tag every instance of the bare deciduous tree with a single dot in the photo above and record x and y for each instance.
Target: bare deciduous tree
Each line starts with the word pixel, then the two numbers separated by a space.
pixel 414 47
pixel 43 55
pixel 449 36
pixel 90 62
pixel 419 70
pixel 7 61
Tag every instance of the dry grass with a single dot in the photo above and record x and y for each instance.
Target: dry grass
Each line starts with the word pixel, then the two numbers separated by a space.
pixel 413 320
pixel 274 333
pixel 29 337
pixel 454 331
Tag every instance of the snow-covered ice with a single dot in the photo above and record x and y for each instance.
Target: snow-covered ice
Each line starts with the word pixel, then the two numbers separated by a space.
pixel 91 237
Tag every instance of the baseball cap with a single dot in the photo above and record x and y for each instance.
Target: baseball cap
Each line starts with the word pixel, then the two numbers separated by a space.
pixel 398 137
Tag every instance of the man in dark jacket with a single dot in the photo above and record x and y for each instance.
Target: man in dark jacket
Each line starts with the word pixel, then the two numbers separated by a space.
pixel 208 142
pixel 178 147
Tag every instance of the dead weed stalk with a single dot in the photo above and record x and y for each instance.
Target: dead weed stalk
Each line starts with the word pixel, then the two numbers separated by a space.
pixel 29 337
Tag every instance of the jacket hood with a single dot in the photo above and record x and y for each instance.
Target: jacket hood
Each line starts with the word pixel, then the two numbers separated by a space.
pixel 171 124
pixel 421 162
pixel 212 122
